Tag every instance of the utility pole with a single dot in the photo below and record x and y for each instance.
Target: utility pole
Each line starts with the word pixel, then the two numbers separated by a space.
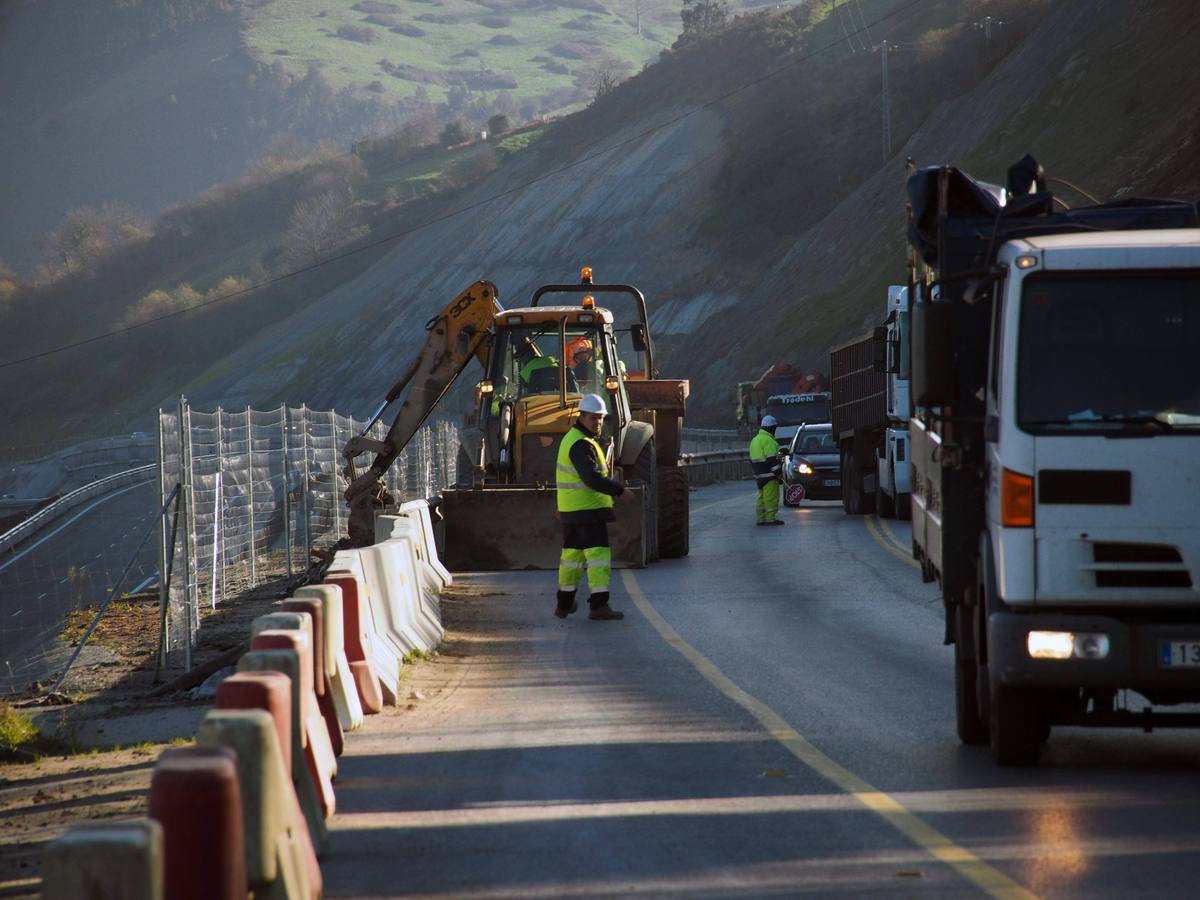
pixel 987 25
pixel 886 103
pixel 637 6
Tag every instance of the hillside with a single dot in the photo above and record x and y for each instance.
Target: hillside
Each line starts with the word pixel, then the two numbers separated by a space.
pixel 763 226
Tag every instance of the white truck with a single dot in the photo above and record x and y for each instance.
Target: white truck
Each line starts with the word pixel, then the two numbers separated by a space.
pixel 1056 453
pixel 869 377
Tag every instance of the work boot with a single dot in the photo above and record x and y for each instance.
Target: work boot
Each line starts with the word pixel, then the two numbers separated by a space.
pixel 776 522
pixel 600 608
pixel 567 604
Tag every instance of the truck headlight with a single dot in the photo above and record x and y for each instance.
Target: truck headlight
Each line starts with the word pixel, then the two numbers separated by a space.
pixel 1066 644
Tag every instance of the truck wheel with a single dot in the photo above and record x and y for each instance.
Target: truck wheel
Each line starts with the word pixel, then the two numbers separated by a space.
pixel 972 728
pixel 1017 725
pixel 852 499
pixel 673 530
pixel 645 470
pixel 887 506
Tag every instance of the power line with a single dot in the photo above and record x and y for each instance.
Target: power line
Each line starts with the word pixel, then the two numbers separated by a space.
pixel 395 236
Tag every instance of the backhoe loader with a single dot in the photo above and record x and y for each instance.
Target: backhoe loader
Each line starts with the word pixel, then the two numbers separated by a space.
pixel 538 361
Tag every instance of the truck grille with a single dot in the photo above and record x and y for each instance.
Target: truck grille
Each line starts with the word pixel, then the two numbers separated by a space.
pixel 1137 566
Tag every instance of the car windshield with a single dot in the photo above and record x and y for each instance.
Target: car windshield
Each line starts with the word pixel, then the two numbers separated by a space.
pixel 1111 351
pixel 814 441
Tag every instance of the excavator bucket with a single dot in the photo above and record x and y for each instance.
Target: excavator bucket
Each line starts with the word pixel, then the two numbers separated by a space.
pixel 505 527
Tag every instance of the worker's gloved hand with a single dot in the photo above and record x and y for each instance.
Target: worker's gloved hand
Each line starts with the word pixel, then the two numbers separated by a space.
pixel 627 496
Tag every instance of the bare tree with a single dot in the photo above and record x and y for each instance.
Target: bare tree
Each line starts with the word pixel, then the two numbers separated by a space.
pixel 602 75
pixel 318 224
pixel 87 234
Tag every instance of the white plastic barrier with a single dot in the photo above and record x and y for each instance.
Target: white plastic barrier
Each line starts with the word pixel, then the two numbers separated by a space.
pixel 105 859
pixel 419 510
pixel 385 653
pixel 337 666
pixel 392 572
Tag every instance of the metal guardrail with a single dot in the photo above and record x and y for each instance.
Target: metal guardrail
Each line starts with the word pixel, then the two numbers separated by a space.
pixel 716 465
pixel 68 502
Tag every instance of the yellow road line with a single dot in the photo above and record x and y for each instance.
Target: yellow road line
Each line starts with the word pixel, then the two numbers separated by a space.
pixel 873 524
pixel 887 532
pixel 988 879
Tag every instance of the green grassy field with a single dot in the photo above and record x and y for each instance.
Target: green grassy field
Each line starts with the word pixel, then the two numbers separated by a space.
pixel 505 45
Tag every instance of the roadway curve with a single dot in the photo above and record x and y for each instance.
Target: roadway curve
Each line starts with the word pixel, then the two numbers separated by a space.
pixel 774 716
pixel 71 564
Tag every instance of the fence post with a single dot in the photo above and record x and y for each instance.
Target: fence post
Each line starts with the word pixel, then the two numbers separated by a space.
pixel 185 498
pixel 221 505
pixel 336 500
pixel 163 599
pixel 250 487
pixel 287 507
pixel 304 475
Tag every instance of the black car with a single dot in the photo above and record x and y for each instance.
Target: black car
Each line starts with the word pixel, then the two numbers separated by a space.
pixel 814 463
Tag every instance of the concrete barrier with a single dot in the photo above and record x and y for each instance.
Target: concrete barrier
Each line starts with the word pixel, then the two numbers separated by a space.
pixel 318 752
pixel 287 662
pixel 279 865
pixel 386 649
pixel 109 861
pixel 357 639
pixel 195 796
pixel 344 695
pixel 269 691
pixel 321 686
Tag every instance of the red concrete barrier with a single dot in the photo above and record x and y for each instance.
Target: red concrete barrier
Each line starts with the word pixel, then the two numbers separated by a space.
pixel 318 751
pixel 354 617
pixel 194 795
pixel 321 684
pixel 267 690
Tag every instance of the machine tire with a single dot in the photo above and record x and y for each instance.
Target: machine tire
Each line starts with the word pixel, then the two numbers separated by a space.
pixel 887 505
pixel 673 512
pixel 645 470
pixel 972 728
pixel 1017 725
pixel 851 489
pixel 903 506
pixel 463 468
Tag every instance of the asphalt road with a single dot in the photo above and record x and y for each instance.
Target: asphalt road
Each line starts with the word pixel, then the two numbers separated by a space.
pixel 774 717
pixel 71 564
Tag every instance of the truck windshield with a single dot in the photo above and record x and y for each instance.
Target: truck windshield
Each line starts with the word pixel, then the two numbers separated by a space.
pixel 798 409
pixel 1112 352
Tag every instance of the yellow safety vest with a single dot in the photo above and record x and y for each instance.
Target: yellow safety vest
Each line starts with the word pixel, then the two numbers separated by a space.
pixel 573 494
pixel 764 457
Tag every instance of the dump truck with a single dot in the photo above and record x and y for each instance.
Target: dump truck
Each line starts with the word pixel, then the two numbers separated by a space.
pixel 870 399
pixel 538 361
pixel 1054 448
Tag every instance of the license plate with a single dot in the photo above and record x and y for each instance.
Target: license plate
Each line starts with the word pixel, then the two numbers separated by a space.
pixel 1179 654
pixel 833 482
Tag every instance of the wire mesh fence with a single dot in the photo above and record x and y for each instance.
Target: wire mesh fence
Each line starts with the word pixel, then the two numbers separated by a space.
pixel 259 489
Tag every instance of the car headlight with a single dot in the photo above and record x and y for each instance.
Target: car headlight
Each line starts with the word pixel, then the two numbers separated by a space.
pixel 804 468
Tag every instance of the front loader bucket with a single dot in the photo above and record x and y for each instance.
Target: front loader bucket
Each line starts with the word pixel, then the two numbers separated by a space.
pixel 499 527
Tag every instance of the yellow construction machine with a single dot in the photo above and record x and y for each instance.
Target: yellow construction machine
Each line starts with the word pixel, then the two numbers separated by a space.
pixel 538 361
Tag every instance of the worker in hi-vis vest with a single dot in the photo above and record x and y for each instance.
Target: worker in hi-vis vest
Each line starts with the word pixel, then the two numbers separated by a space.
pixel 764 459
pixel 585 507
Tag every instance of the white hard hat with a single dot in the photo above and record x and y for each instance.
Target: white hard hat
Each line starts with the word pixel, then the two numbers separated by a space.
pixel 593 403
pixel 769 422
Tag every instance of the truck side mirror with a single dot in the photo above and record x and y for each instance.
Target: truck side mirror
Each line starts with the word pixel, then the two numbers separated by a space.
pixel 879 349
pixel 933 353
pixel 637 334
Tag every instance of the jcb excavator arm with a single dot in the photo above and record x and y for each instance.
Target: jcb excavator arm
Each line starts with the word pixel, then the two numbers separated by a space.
pixel 456 334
